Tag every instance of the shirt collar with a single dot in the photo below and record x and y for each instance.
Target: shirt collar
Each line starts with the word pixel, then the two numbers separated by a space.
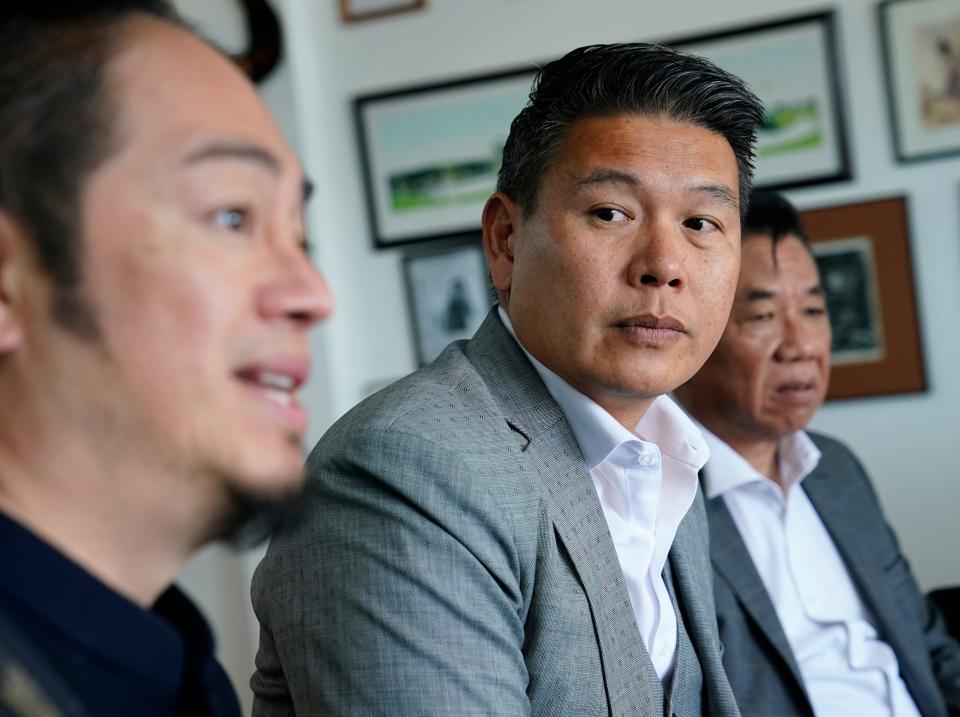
pixel 599 434
pixel 151 644
pixel 728 470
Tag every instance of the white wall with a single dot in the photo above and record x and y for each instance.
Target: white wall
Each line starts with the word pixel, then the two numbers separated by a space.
pixel 906 442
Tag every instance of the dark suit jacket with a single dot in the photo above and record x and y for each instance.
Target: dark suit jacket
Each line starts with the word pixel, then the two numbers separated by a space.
pixel 452 558
pixel 757 656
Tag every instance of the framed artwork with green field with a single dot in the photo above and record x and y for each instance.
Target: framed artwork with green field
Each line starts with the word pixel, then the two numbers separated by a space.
pixel 792 66
pixel 431 153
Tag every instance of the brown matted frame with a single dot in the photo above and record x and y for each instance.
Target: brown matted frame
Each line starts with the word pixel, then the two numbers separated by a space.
pixel 884 223
pixel 350 14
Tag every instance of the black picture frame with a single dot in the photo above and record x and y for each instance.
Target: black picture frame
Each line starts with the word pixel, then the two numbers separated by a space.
pixel 407 167
pixel 448 293
pixel 792 64
pixel 924 126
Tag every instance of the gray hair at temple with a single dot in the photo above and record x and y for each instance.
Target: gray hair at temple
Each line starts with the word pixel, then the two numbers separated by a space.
pixel 57 125
pixel 637 79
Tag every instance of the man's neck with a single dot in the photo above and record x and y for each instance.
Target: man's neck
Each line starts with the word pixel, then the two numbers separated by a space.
pixel 762 455
pixel 122 544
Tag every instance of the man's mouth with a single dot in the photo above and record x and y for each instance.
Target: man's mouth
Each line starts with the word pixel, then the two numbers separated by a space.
pixel 796 391
pixel 277 381
pixel 649 328
pixel 277 386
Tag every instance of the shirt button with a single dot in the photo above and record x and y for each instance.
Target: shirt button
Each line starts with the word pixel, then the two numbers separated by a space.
pixel 646 459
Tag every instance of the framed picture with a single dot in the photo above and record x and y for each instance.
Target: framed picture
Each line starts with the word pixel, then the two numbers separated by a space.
pixel 449 294
pixel 863 253
pixel 792 67
pixel 921 43
pixel 431 154
pixel 353 10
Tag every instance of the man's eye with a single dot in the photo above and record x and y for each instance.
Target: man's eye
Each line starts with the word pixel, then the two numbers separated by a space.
pixel 610 214
pixel 699 224
pixel 816 311
pixel 232 218
pixel 759 318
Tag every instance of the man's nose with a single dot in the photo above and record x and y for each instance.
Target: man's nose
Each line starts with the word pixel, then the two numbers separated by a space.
pixel 298 291
pixel 658 259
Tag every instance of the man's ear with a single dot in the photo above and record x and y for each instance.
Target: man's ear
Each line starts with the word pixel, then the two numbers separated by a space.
pixel 500 217
pixel 11 242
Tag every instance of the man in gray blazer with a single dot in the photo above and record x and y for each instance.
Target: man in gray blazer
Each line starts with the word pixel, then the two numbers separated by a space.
pixel 817 609
pixel 503 532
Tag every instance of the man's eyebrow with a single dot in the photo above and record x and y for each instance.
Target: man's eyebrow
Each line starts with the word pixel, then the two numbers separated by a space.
pixel 765 294
pixel 608 176
pixel 618 176
pixel 234 150
pixel 720 192
pixel 759 295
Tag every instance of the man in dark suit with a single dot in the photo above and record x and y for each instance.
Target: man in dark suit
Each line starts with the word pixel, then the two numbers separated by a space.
pixel 817 609
pixel 154 302
pixel 503 532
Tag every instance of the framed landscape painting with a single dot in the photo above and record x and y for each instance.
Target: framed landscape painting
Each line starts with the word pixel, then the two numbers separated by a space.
pixel 792 67
pixel 431 154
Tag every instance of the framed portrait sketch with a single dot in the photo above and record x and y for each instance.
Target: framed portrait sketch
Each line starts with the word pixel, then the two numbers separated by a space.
pixel 431 154
pixel 449 295
pixel 921 42
pixel 792 66
pixel 354 10
pixel 863 253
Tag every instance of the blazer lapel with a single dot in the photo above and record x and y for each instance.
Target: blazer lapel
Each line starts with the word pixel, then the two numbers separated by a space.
pixel 734 565
pixel 553 454
pixel 854 539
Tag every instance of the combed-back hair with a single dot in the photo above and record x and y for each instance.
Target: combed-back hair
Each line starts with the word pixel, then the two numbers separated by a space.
pixel 632 79
pixel 57 120
pixel 772 214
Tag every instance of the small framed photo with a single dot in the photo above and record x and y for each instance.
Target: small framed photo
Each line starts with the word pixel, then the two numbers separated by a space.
pixel 863 253
pixel 431 154
pixel 355 10
pixel 921 42
pixel 792 66
pixel 449 295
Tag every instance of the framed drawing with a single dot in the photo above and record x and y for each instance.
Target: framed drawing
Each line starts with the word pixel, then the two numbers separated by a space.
pixel 921 43
pixel 449 295
pixel 863 253
pixel 354 10
pixel 431 154
pixel 792 67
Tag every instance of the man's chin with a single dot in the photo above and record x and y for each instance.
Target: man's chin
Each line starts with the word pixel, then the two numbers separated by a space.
pixel 252 514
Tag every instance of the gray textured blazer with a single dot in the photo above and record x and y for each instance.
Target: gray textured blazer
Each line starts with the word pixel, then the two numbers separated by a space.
pixel 452 558
pixel 757 656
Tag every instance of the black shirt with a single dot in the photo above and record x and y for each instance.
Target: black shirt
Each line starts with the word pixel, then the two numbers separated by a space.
pixel 96 653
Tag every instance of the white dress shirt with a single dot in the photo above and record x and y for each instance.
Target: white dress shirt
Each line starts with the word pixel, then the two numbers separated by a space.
pixel 646 481
pixel 846 668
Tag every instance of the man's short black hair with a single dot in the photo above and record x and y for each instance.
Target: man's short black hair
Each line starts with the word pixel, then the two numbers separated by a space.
pixel 772 214
pixel 631 79
pixel 56 124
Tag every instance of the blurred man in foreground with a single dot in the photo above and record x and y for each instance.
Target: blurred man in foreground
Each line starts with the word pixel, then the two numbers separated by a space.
pixel 516 529
pixel 818 611
pixel 155 297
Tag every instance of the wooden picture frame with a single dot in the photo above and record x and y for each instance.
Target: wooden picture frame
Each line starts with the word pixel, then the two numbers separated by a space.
pixel 448 294
pixel 358 10
pixel 430 154
pixel 863 252
pixel 921 52
pixel 792 66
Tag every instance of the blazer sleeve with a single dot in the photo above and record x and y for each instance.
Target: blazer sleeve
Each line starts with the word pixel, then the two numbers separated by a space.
pixel 395 590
